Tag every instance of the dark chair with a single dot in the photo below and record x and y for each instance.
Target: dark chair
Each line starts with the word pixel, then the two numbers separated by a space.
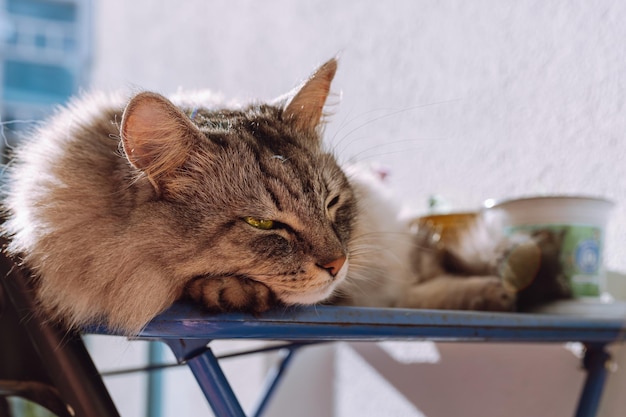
pixel 41 362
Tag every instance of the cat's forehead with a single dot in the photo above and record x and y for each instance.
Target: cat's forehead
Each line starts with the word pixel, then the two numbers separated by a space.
pixel 258 127
pixel 208 120
pixel 272 156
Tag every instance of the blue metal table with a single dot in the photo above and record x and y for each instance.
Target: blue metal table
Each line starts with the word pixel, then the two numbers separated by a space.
pixel 188 332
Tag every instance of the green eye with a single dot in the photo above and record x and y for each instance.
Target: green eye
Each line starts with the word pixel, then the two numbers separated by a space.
pixel 259 223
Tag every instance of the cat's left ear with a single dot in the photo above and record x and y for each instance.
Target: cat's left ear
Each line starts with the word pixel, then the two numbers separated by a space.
pixel 157 137
pixel 306 108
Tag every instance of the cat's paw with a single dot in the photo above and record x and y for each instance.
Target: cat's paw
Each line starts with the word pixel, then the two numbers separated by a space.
pixel 519 267
pixel 231 293
pixel 490 294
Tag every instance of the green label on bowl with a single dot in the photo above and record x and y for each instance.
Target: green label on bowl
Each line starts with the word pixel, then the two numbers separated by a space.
pixel 580 254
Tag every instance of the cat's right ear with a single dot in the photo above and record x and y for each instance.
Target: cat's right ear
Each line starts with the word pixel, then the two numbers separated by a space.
pixel 306 108
pixel 157 137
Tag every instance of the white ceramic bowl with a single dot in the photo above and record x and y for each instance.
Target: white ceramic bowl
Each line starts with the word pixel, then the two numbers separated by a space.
pixel 578 221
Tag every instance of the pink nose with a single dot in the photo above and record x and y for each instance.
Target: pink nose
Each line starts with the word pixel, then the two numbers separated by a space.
pixel 334 266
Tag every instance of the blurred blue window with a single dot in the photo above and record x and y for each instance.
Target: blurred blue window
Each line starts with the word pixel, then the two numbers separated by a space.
pixel 45 9
pixel 26 81
pixel 44 55
pixel 40 41
pixel 69 44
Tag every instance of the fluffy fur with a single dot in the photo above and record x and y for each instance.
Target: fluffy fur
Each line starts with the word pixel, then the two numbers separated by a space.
pixel 120 207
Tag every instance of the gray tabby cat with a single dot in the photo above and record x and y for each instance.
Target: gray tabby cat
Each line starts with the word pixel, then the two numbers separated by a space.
pixel 121 209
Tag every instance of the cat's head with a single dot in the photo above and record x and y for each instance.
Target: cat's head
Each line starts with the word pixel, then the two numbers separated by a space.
pixel 251 191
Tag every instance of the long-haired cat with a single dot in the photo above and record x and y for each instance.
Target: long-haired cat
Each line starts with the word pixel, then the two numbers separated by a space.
pixel 120 207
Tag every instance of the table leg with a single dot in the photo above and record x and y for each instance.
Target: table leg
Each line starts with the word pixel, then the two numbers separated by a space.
pixel 214 385
pixel 274 379
pixel 596 362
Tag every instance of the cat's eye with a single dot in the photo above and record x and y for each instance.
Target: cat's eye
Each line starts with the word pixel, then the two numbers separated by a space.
pixel 332 203
pixel 262 224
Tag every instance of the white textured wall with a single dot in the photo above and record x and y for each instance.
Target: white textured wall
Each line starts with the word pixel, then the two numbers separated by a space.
pixel 470 100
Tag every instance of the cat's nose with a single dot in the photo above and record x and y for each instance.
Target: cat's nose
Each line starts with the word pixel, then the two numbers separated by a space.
pixel 334 266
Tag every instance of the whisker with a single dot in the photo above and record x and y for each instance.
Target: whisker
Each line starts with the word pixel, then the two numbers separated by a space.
pixel 359 156
pixel 385 233
pixel 395 112
pixel 385 144
pixel 5 139
pixel 376 240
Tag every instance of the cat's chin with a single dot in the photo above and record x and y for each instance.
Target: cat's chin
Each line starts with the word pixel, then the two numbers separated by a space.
pixel 317 295
pixel 308 298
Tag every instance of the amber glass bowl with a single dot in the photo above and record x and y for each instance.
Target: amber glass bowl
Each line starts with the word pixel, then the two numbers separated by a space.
pixel 448 225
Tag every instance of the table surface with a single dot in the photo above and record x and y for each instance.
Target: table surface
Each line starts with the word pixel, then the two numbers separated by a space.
pixel 575 320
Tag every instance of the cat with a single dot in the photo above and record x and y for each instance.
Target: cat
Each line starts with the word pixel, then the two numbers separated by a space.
pixel 120 207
